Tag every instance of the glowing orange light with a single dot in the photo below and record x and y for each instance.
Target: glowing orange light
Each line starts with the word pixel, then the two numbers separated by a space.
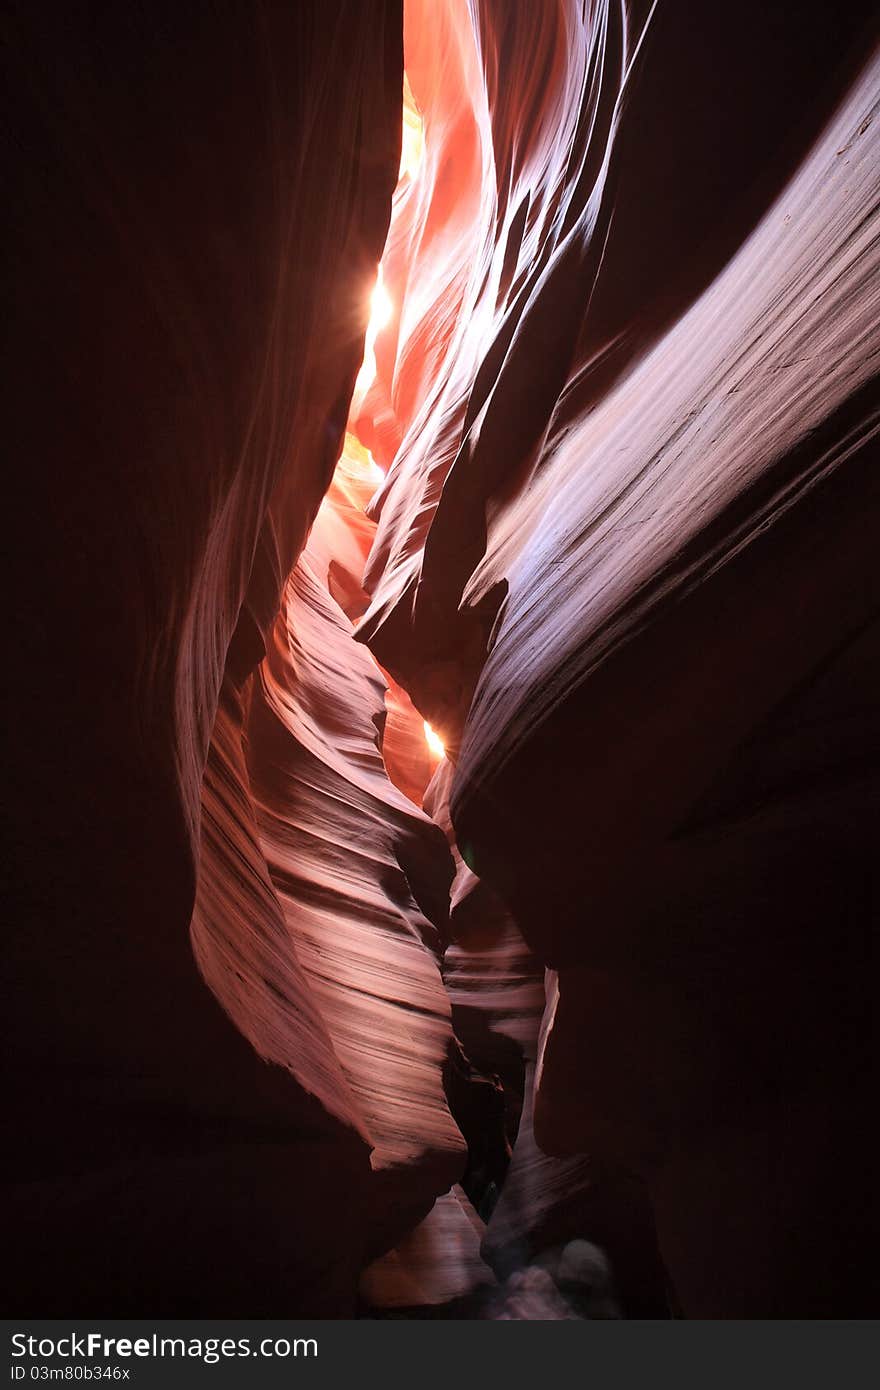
pixel 381 307
pixel 356 467
pixel 434 742
pixel 381 310
pixel 413 142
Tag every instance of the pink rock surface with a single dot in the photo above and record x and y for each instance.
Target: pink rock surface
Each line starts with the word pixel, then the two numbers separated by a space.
pixel 438 1263
pixel 356 867
pixel 624 566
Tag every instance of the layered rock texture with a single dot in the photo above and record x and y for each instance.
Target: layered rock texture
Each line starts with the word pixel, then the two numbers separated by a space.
pixel 550 427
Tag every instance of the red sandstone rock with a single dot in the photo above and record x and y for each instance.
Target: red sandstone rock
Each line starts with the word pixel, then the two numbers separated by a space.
pixel 624 546
pixel 438 1263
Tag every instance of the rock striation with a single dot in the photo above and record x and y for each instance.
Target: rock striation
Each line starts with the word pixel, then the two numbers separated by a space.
pixel 624 565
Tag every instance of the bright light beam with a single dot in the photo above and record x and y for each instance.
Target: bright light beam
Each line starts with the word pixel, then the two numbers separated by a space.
pixel 434 742
pixel 381 311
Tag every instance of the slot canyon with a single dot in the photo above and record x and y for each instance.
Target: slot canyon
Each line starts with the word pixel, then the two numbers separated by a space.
pixel 440 820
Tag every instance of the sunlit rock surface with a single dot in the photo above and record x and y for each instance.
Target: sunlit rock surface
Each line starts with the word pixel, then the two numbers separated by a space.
pixel 624 567
pixel 362 877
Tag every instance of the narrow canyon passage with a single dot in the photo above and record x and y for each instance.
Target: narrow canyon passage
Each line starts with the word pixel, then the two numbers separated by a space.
pixel 442 799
